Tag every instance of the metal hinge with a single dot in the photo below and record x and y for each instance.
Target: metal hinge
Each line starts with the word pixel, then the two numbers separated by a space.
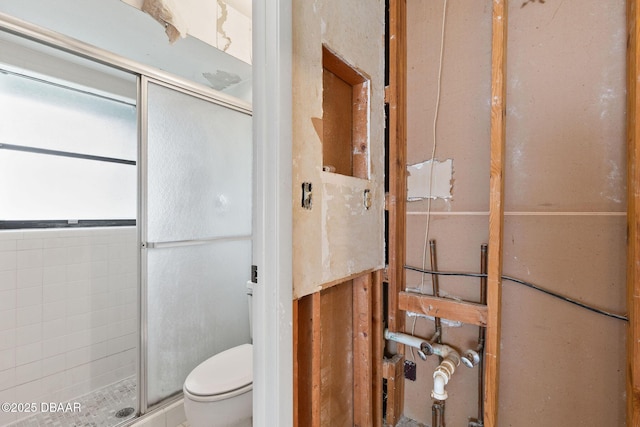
pixel 254 273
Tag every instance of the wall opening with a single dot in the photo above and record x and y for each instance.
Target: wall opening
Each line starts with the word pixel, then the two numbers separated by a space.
pixel 345 104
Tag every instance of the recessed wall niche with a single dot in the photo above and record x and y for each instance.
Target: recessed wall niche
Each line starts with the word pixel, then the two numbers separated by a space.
pixel 345 121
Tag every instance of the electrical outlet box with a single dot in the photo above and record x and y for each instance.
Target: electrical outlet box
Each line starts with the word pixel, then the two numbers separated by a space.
pixel 410 370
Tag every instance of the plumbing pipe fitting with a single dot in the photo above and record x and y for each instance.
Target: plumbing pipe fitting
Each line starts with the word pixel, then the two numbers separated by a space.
pixel 424 348
pixel 444 372
pixel 470 358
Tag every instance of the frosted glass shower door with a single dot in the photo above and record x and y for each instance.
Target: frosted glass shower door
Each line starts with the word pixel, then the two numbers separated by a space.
pixel 197 235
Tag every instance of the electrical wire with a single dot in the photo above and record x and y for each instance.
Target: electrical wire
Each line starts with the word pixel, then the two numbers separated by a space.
pixel 436 114
pixel 524 283
pixel 433 157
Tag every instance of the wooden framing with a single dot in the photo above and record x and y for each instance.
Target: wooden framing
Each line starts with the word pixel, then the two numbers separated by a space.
pixel 338 350
pixel 393 371
pixel 496 211
pixel 396 97
pixel 377 340
pixel 633 216
pixel 465 312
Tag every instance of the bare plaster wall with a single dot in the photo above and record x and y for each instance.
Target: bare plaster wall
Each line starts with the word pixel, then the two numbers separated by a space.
pixel 564 200
pixel 337 237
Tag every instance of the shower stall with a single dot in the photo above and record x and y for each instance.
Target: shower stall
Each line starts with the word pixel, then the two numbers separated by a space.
pixel 125 227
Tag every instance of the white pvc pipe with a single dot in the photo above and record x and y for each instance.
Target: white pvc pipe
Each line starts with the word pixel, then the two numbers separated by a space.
pixel 445 370
pixel 406 339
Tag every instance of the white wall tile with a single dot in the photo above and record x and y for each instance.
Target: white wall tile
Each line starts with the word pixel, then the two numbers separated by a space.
pixel 29 353
pixel 7 359
pixel 56 301
pixel 54 328
pixel 7 280
pixel 76 241
pixel 79 374
pixel 78 289
pixel 99 285
pixel 54 310
pixel 7 378
pixel 28 296
pixel 99 301
pixel 27 391
pixel 54 293
pixel 54 274
pixel 52 242
pixel 53 365
pixel 99 334
pixel 29 277
pixel 29 315
pixel 28 334
pixel 29 259
pixel 7 319
pixel 29 372
pixel 55 256
pixel 8 260
pixel 8 245
pixel 79 254
pixel 53 347
pixel 7 300
pixel 27 244
pixel 99 252
pixel 55 382
pixel 11 234
pixel 78 305
pixel 8 339
pixel 40 234
pixel 78 323
pixel 99 318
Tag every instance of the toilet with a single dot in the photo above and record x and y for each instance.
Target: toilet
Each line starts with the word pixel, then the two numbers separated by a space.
pixel 219 391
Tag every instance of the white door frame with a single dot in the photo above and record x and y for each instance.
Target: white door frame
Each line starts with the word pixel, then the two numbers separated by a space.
pixel 272 136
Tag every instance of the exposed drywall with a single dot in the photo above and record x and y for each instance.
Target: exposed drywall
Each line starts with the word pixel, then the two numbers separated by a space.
pixel 564 201
pixel 430 179
pixel 338 237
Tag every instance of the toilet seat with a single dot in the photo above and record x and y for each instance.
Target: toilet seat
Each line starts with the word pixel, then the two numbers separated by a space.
pixel 223 375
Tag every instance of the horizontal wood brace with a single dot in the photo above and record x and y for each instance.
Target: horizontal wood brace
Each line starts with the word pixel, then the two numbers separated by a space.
pixel 461 311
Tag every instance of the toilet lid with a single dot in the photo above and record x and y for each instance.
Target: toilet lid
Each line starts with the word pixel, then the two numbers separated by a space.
pixel 222 373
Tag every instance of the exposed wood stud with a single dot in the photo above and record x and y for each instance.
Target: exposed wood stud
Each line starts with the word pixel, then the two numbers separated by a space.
pixel 316 358
pixel 392 371
pixel 466 312
pixel 362 351
pixel 378 346
pixel 396 96
pixel 496 210
pixel 633 216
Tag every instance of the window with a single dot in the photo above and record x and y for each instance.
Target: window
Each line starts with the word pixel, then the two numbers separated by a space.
pixel 67 155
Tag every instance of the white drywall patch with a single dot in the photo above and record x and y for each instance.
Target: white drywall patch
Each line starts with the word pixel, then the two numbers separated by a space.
pixel 419 176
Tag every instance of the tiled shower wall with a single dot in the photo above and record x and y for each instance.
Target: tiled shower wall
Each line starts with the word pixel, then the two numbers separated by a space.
pixel 68 312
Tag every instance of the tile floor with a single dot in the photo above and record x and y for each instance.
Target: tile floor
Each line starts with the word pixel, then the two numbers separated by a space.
pixel 98 409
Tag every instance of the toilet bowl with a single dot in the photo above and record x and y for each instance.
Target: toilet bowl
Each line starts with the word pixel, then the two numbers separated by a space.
pixel 219 391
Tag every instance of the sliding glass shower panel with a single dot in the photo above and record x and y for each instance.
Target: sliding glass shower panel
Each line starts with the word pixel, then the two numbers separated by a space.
pixel 197 308
pixel 199 171
pixel 198 233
